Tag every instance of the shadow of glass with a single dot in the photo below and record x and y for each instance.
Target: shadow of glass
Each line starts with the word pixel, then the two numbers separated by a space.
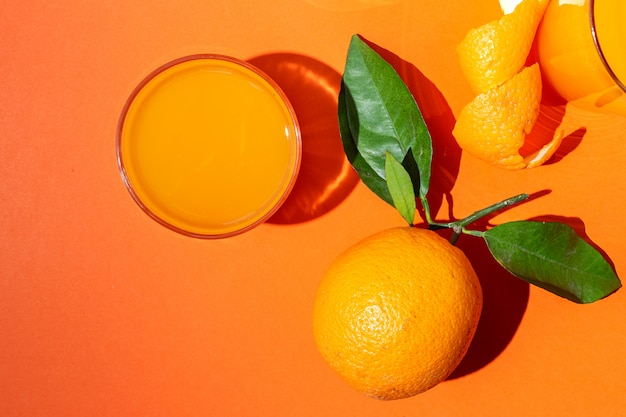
pixel 326 177
pixel 440 122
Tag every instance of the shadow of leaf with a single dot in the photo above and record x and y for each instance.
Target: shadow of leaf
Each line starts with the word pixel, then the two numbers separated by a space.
pixel 326 177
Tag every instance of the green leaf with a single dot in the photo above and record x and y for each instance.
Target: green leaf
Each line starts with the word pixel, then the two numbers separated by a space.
pixel 378 114
pixel 370 178
pixel 552 256
pixel 400 188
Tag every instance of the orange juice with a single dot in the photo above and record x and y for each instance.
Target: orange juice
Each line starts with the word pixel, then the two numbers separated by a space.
pixel 208 146
pixel 581 46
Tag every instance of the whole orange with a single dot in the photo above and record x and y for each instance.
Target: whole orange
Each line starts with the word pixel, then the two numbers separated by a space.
pixel 395 314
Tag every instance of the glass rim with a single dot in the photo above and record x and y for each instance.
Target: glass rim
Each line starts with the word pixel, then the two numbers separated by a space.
pixel 296 157
pixel 596 42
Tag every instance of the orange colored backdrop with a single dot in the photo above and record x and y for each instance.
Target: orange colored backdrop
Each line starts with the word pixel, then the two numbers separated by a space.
pixel 105 313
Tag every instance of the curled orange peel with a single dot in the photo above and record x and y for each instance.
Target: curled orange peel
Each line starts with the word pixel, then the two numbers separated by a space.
pixel 494 125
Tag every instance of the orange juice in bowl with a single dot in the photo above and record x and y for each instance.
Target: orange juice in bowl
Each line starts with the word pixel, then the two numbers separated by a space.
pixel 208 146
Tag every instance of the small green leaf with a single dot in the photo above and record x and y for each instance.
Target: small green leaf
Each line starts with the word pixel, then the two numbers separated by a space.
pixel 552 256
pixel 400 188
pixel 378 114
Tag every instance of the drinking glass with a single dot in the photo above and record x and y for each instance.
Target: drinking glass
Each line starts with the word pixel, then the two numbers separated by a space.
pixel 581 46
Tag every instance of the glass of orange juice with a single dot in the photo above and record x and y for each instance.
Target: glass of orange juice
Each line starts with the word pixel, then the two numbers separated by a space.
pixel 208 146
pixel 581 46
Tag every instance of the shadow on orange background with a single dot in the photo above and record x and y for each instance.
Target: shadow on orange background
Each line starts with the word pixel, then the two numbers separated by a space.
pixel 326 177
pixel 505 299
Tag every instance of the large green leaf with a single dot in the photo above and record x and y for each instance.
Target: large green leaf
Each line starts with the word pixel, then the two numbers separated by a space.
pixel 378 114
pixel 374 182
pixel 552 256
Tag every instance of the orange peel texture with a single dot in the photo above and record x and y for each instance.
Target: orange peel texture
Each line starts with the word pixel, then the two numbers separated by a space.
pixel 493 53
pixel 494 125
pixel 395 313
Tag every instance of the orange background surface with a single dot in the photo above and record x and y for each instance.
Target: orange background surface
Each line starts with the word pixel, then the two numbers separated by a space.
pixel 103 312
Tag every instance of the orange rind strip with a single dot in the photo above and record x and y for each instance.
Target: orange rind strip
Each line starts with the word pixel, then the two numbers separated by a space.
pixel 493 53
pixel 495 124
